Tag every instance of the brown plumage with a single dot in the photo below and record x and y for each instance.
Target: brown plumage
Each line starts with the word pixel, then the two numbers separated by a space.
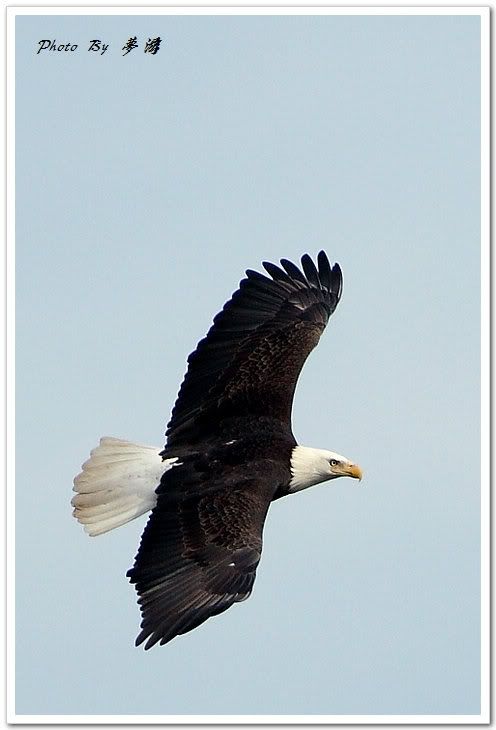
pixel 249 362
pixel 230 431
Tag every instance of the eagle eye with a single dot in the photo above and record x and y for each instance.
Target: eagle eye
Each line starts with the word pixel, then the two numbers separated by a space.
pixel 334 462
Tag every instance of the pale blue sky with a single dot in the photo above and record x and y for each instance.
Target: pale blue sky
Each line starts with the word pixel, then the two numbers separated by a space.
pixel 146 185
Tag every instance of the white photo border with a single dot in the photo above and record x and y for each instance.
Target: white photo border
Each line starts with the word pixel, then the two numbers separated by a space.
pixel 484 717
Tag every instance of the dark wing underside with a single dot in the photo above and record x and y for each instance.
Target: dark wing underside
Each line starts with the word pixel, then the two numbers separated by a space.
pixel 250 360
pixel 200 549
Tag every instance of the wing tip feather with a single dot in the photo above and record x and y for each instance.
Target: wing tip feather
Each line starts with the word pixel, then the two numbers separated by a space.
pixel 319 275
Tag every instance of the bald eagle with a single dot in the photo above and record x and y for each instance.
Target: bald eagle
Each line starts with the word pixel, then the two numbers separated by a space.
pixel 229 453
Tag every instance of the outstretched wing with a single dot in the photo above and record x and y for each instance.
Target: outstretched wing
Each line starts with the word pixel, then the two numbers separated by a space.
pixel 250 360
pixel 200 549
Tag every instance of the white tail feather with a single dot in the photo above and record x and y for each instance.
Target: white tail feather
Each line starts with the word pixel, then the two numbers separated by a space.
pixel 117 484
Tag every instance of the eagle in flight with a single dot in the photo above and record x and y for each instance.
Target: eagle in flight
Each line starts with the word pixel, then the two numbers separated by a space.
pixel 229 453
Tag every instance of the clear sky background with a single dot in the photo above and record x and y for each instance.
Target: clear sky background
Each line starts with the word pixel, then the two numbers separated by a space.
pixel 146 185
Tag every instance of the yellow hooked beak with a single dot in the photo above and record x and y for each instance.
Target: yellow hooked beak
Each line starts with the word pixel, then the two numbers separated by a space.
pixel 352 470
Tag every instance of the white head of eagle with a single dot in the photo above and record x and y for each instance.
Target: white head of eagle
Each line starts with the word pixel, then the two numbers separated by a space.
pixel 312 466
pixel 229 452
